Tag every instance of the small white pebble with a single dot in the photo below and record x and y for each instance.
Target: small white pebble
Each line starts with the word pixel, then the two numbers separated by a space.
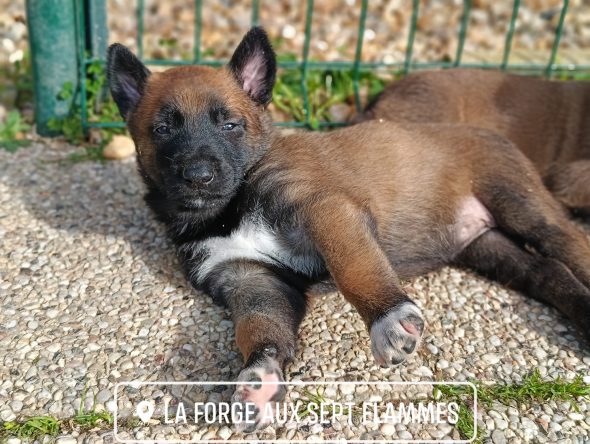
pixel 370 34
pixel 491 358
pixel 224 433
pixel 52 313
pixel 289 32
pixel 347 389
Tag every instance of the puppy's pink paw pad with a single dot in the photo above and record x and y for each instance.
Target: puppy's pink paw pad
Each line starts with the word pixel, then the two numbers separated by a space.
pixel 262 389
pixel 396 336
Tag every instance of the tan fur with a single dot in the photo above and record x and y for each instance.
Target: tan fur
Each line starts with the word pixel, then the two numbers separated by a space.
pixel 378 200
pixel 255 329
pixel 413 182
pixel 548 120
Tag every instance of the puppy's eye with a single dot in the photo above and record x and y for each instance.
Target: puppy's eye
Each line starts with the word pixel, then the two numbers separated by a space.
pixel 228 126
pixel 163 129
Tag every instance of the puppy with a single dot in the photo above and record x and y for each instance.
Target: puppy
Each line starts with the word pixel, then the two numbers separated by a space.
pixel 548 120
pixel 259 217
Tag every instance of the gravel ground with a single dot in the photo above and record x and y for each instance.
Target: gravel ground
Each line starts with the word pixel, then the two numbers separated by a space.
pixel 91 294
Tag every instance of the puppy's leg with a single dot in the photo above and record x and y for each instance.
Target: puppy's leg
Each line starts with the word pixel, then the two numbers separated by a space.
pixel 497 257
pixel 267 306
pixel 524 210
pixel 344 234
pixel 570 184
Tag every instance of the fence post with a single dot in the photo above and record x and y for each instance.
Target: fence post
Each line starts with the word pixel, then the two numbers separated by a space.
pixel 54 57
pixel 97 37
pixel 96 27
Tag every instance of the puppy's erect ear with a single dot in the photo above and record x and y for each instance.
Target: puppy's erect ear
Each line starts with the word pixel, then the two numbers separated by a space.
pixel 127 77
pixel 254 65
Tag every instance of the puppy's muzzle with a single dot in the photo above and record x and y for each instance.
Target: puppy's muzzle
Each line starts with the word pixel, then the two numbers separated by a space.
pixel 199 174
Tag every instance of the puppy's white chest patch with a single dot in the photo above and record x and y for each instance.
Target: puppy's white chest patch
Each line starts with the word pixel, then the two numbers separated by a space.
pixel 252 240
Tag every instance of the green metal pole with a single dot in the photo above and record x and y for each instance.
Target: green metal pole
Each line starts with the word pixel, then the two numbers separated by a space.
pixel 463 32
pixel 139 12
pixel 510 34
pixel 82 63
pixel 52 39
pixel 305 60
pixel 357 55
pixel 198 31
pixel 97 28
pixel 97 38
pixel 555 47
pixel 255 12
pixel 411 36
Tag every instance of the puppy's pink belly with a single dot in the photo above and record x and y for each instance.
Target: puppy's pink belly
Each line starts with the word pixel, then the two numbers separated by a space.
pixel 473 219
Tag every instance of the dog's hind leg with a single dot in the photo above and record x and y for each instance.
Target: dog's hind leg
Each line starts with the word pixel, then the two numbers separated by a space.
pixel 497 257
pixel 267 306
pixel 526 212
pixel 529 214
pixel 570 184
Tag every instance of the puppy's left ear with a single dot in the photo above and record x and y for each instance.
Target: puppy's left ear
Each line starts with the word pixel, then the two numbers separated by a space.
pixel 254 65
pixel 127 78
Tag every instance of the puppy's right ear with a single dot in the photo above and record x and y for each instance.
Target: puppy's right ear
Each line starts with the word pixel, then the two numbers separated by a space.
pixel 127 77
pixel 254 65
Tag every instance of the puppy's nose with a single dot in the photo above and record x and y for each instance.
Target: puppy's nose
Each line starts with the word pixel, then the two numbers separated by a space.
pixel 202 173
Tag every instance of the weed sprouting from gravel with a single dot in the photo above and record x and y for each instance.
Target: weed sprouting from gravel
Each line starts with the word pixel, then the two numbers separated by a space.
pixel 37 427
pixel 31 429
pixel 533 388
pixel 89 153
pixel 12 132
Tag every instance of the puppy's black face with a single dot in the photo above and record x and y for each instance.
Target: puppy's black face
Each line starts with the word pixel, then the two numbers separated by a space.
pixel 202 157
pixel 197 130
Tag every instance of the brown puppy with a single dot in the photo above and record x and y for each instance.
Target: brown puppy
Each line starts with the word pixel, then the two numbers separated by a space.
pixel 259 217
pixel 548 120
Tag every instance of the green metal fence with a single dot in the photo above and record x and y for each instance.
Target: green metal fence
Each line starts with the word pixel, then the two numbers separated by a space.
pixel 91 37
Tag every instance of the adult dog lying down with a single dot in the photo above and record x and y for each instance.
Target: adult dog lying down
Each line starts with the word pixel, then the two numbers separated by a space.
pixel 548 120
pixel 259 217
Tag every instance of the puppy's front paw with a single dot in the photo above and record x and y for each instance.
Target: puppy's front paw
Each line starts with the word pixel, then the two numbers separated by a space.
pixel 396 335
pixel 261 396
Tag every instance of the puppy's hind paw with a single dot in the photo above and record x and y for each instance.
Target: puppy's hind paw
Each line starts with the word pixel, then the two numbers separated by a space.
pixel 396 335
pixel 258 393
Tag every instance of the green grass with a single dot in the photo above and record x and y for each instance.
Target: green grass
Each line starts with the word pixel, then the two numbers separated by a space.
pixel 12 132
pixel 532 389
pixel 99 107
pixel 535 389
pixel 325 88
pixel 16 77
pixel 31 429
pixel 37 427
pixel 465 424
pixel 88 153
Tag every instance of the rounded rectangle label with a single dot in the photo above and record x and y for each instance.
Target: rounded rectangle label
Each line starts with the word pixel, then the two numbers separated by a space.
pixel 317 411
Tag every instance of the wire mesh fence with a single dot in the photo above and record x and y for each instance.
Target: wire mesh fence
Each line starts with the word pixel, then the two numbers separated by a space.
pixel 90 21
